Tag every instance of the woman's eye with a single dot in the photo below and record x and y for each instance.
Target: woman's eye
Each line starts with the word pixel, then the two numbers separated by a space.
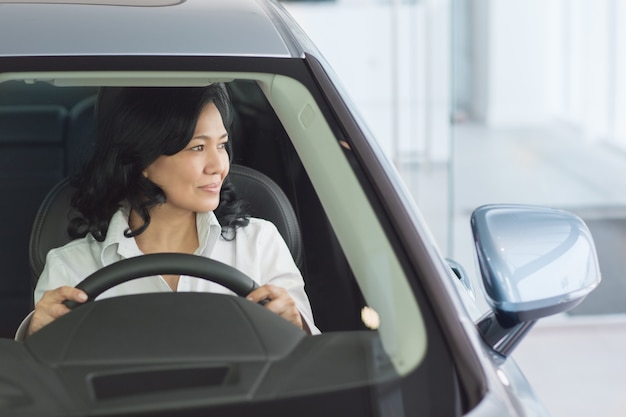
pixel 222 145
pixel 198 148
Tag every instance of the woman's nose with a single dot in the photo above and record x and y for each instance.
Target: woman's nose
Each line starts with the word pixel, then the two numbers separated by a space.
pixel 216 161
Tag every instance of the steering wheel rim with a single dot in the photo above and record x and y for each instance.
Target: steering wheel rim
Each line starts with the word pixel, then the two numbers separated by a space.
pixel 163 264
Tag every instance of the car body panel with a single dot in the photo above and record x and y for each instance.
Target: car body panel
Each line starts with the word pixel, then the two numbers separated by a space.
pixel 208 29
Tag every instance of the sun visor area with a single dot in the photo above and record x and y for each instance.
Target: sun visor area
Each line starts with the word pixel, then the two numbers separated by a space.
pixel 120 79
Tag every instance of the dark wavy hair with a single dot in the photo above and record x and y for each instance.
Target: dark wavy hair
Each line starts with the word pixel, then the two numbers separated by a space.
pixel 135 126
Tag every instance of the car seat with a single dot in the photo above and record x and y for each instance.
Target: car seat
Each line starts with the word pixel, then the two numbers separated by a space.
pixel 31 161
pixel 35 123
pixel 264 196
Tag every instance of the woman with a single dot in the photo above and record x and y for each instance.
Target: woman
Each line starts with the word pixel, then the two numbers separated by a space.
pixel 157 182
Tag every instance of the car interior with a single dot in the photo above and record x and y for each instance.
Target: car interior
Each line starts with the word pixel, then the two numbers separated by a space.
pixel 46 134
pixel 40 131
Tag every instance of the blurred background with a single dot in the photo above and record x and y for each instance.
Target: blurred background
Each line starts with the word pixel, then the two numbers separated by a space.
pixel 504 101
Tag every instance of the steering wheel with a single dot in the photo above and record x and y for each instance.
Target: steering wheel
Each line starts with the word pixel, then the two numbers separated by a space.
pixel 163 264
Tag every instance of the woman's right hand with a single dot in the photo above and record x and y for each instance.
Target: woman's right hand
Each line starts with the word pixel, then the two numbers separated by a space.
pixel 51 306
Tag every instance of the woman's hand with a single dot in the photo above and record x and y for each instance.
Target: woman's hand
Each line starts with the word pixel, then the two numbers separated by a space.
pixel 278 301
pixel 51 306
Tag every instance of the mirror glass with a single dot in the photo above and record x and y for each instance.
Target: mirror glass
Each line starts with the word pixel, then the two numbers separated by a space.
pixel 534 260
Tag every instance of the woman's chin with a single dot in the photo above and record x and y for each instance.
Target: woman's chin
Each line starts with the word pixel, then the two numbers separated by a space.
pixel 205 208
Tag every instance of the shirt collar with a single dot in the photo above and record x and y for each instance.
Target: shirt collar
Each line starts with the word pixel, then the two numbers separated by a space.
pixel 209 230
pixel 116 246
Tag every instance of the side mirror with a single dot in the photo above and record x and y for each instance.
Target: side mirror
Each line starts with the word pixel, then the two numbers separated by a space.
pixel 534 262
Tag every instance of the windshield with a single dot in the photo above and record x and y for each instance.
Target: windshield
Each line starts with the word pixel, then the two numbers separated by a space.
pixel 362 301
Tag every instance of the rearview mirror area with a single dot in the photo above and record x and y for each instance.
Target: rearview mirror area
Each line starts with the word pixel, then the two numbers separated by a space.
pixel 534 261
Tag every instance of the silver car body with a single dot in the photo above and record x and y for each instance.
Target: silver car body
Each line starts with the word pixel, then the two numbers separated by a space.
pixel 50 32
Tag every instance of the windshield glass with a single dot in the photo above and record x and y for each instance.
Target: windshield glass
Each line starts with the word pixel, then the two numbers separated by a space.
pixel 48 133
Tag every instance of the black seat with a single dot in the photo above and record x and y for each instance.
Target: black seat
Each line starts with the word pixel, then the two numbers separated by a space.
pixel 265 197
pixel 31 161
pixel 35 123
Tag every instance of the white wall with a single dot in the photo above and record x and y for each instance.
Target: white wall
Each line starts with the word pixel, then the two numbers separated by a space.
pixel 515 43
pixel 533 62
pixel 544 61
pixel 368 44
pixel 619 48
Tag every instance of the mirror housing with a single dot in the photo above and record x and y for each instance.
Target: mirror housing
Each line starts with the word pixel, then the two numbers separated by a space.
pixel 534 262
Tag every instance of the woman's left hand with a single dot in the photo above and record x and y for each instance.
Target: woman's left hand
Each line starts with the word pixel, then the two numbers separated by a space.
pixel 278 301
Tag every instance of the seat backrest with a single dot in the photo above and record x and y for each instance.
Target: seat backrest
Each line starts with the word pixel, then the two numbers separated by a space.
pixel 266 199
pixel 81 134
pixel 31 162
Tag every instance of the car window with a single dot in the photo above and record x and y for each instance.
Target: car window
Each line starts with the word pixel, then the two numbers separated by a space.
pixel 355 279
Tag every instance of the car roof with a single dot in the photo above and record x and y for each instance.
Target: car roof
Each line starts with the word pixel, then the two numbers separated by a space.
pixel 147 27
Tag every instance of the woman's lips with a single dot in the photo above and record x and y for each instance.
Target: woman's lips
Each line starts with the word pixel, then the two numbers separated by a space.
pixel 212 188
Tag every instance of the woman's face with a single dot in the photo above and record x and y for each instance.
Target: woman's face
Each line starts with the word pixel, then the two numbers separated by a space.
pixel 192 178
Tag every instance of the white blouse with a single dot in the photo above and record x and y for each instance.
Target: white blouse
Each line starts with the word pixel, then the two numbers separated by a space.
pixel 258 251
